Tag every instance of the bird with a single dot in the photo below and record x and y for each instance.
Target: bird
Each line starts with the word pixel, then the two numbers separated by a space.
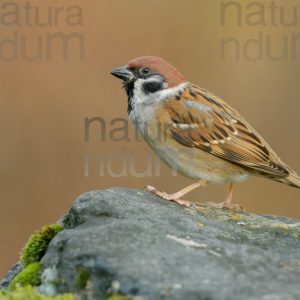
pixel 195 132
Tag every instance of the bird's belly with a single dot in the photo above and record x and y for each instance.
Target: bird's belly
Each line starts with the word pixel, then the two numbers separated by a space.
pixel 198 164
pixel 188 161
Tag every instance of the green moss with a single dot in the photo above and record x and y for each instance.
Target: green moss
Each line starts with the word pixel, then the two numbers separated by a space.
pixel 30 275
pixel 37 245
pixel 31 255
pixel 118 297
pixel 82 278
pixel 30 293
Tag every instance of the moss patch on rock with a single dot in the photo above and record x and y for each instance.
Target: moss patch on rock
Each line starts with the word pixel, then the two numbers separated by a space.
pixel 23 284
pixel 37 244
pixel 31 255
pixel 82 278
pixel 30 293
pixel 118 297
pixel 30 275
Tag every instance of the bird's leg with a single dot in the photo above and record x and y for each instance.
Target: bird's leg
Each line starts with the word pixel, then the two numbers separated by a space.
pixel 227 203
pixel 176 196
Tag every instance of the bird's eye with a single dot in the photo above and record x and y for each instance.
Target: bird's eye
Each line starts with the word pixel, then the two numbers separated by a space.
pixel 145 71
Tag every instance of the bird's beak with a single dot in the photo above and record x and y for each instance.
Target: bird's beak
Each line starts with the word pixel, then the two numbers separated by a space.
pixel 123 73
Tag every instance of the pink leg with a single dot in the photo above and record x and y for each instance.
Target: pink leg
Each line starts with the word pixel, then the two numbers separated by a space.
pixel 227 203
pixel 176 196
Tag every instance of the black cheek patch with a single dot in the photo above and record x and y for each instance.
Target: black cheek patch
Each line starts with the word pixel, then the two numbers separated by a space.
pixel 152 87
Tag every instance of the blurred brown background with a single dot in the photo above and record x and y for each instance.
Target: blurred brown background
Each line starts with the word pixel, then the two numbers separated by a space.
pixel 44 102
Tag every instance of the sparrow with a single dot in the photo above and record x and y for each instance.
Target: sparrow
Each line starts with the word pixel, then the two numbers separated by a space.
pixel 195 132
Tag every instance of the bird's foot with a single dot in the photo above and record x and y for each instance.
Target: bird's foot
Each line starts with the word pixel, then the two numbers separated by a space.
pixel 232 206
pixel 170 197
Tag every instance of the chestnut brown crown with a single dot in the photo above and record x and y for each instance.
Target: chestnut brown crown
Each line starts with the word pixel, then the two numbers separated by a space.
pixel 160 66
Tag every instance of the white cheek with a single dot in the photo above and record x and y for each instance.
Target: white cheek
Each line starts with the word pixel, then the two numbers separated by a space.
pixel 140 98
pixel 139 95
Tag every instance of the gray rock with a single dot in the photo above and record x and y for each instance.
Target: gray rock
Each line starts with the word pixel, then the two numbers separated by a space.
pixel 17 268
pixel 134 243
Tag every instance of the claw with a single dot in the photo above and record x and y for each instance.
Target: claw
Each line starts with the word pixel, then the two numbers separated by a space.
pixel 232 206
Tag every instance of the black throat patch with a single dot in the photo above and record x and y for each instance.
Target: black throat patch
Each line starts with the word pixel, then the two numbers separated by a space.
pixel 129 89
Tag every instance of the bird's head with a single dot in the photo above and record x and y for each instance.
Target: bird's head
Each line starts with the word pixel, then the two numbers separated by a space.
pixel 147 76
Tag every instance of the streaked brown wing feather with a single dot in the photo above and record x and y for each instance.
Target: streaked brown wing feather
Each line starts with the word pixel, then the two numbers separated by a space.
pixel 202 120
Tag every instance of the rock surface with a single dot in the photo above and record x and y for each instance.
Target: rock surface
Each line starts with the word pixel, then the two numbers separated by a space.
pixel 130 242
pixel 133 243
pixel 17 268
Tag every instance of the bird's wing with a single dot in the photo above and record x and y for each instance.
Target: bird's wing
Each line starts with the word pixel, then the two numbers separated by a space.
pixel 200 119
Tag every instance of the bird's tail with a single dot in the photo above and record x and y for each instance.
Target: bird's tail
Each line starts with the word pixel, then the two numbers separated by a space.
pixel 292 180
